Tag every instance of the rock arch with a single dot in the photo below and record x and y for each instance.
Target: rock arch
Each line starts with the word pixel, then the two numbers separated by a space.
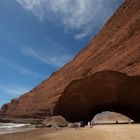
pixel 102 91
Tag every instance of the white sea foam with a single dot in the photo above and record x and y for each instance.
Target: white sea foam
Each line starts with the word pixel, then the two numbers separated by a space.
pixel 11 125
pixel 14 127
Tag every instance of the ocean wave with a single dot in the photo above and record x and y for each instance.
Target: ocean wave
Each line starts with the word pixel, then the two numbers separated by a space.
pixel 11 125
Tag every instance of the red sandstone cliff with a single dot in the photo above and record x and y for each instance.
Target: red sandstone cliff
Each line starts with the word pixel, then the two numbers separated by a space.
pixel 116 47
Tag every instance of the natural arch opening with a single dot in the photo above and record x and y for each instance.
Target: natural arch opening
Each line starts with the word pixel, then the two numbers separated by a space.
pixel 102 91
pixel 109 117
pixel 117 108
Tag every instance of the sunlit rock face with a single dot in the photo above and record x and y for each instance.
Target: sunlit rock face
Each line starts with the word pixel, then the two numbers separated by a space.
pixel 117 48
pixel 107 117
pixel 105 90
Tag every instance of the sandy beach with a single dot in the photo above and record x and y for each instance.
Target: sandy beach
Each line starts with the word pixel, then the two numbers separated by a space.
pixel 99 132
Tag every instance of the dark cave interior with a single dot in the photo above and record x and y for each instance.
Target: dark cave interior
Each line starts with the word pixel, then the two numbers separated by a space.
pixel 102 91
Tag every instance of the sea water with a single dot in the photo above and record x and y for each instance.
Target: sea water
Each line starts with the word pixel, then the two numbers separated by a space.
pixel 14 127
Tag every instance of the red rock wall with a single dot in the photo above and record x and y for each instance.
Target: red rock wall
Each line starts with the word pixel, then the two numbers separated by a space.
pixel 102 91
pixel 116 47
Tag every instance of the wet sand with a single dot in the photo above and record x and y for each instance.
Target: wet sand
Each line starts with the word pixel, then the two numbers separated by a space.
pixel 100 132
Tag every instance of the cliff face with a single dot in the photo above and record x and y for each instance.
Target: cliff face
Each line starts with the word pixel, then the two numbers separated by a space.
pixel 116 47
pixel 102 91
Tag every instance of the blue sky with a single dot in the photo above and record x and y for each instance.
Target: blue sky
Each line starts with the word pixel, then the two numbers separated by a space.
pixel 37 37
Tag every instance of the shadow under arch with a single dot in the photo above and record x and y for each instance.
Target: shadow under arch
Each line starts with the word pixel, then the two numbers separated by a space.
pixel 105 90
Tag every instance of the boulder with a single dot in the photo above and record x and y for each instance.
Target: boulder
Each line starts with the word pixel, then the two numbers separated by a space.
pixel 39 126
pixel 110 117
pixel 55 121
pixel 73 125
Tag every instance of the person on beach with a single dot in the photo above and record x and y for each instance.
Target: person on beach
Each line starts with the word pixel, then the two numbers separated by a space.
pixel 129 121
pixel 117 122
pixel 92 123
pixel 89 125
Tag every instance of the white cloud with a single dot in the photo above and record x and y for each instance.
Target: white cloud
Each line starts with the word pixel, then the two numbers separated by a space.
pixel 55 58
pixel 20 69
pixel 33 5
pixel 82 16
pixel 10 91
pixel 13 90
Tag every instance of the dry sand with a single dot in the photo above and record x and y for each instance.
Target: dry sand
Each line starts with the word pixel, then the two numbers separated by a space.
pixel 100 132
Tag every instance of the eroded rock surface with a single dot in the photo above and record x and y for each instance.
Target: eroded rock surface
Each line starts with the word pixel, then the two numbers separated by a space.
pixel 55 121
pixel 103 91
pixel 116 47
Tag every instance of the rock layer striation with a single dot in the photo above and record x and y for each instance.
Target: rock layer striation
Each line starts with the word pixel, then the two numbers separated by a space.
pixel 116 48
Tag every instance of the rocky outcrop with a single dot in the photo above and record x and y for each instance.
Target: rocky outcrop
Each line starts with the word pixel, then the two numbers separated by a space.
pixel 116 47
pixel 74 125
pixel 103 91
pixel 56 121
pixel 110 117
